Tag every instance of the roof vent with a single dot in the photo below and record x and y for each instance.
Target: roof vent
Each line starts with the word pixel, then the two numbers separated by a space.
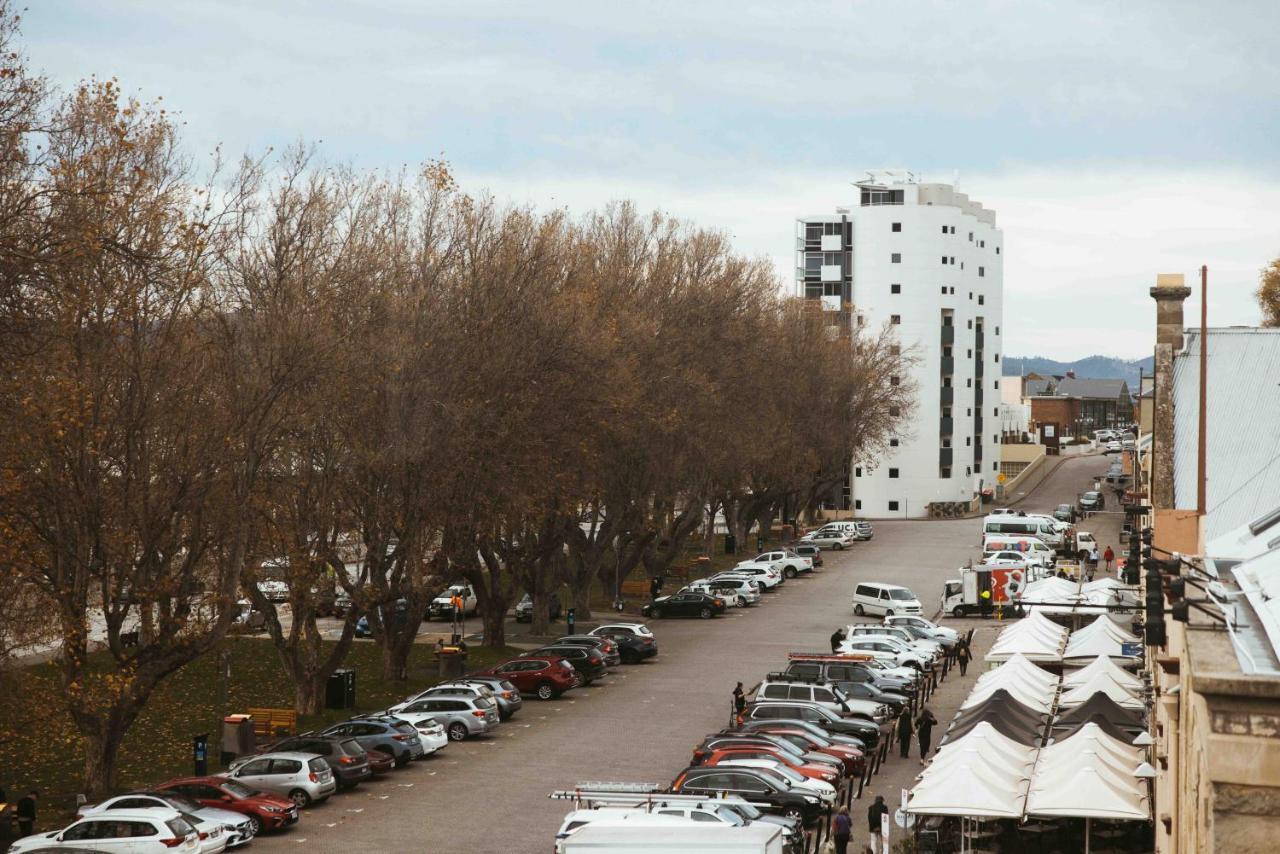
pixel 1257 526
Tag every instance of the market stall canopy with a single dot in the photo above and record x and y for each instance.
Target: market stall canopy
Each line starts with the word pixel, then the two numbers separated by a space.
pixel 967 790
pixel 1102 664
pixel 1100 683
pixel 1061 731
pixel 1102 705
pixel 1021 669
pixel 1029 695
pixel 988 739
pixel 1037 638
pixel 1088 775
pixel 1101 637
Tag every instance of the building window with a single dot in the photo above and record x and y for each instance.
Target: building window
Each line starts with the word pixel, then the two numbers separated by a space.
pixel 968 471
pixel 995 467
pixel 968 383
pixel 982 299
pixel 995 439
pixel 970 294
pixel 971 237
pixel 946 443
pixel 953 260
pixel 995 384
pixel 946 382
pixel 893 505
pixel 996 412
pixel 895 319
pixel 857 504
pixel 966 441
pixel 982 244
pixel 946 412
pixel 944 472
pixel 982 272
pixel 944 290
pixel 894 411
pixel 895 289
pixel 997 330
pixel 944 259
pixel 997 250
pixel 897 226
pixel 998 358
pixel 893 380
pixel 893 443
pixel 953 290
pixel 968 354
pixel 970 323
pixel 895 258
pixel 968 413
pixel 944 229
pixel 857 472
pixel 893 473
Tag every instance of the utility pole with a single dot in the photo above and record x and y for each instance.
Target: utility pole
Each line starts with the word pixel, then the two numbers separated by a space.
pixel 1201 462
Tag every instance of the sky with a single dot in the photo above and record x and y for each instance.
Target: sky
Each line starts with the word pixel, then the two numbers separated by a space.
pixel 1114 140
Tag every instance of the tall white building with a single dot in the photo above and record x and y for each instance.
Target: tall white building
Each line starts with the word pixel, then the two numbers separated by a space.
pixel 929 261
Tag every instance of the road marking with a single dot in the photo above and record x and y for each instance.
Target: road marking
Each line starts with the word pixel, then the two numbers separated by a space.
pixel 383 797
pixel 357 809
pixel 408 785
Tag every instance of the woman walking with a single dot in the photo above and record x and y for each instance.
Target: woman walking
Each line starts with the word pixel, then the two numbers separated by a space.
pixel 841 830
pixel 924 726
pixel 905 729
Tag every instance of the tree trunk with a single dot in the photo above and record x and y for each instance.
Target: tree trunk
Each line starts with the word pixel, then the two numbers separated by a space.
pixel 101 753
pixel 709 529
pixel 495 624
pixel 308 694
pixel 582 603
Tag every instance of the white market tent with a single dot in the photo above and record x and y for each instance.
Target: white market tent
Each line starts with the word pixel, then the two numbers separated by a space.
pixel 1037 638
pixel 1101 637
pixel 972 791
pixel 990 741
pixel 1088 775
pixel 1026 683
pixel 1100 683
pixel 1102 664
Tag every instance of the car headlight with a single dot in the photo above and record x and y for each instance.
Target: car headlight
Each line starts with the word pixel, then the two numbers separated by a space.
pixel 810 799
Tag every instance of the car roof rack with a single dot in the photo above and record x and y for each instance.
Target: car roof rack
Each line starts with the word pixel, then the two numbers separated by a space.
pixel 841 658
pixel 589 793
pixel 782 676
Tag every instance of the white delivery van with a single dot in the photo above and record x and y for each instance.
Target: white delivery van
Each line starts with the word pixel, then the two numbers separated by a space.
pixel 1033 549
pixel 1023 526
pixel 880 599
pixel 693 837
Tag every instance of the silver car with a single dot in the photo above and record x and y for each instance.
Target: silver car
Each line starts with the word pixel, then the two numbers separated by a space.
pixel 461 716
pixel 303 778
pixel 506 695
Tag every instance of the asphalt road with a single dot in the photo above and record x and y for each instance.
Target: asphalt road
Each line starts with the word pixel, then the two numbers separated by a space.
pixel 642 722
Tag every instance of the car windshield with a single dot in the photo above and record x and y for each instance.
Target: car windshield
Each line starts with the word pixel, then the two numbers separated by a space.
pixel 180 802
pixel 353 747
pixel 482 703
pixel 318 764
pixel 728 816
pixel 237 790
pixel 901 595
pixel 408 729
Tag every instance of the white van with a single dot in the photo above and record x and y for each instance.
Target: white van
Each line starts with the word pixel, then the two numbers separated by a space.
pixel 1033 549
pixel 1023 526
pixel 876 598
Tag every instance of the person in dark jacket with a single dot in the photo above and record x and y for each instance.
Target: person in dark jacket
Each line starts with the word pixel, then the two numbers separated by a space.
pixel 841 830
pixel 836 637
pixel 962 656
pixel 873 822
pixel 739 704
pixel 655 586
pixel 904 733
pixel 27 813
pixel 924 727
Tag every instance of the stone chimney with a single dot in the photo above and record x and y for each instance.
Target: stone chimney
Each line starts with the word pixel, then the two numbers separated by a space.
pixel 1169 293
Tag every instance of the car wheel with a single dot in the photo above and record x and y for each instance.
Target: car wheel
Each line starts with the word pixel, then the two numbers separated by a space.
pixel 889 613
pixel 837 546
pixel 255 825
pixel 300 798
pixel 857 609
pixel 705 614
pixel 793 812
pixel 545 691
pixel 790 572
pixel 402 760
pixel 457 731
pixel 959 611
pixel 656 613
pixel 630 657
pixel 742 603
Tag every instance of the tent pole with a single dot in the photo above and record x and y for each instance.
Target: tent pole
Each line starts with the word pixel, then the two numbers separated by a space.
pixel 1086 834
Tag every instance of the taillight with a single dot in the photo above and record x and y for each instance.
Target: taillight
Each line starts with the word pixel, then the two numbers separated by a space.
pixel 347 760
pixel 477 713
pixel 400 737
pixel 312 777
pixel 508 695
pixel 204 836
pixel 174 842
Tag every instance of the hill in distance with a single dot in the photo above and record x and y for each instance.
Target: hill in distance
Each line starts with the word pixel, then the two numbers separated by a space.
pixel 1091 367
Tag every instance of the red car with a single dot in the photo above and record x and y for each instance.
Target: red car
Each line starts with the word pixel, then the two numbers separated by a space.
pixel 380 763
pixel 265 811
pixel 811 770
pixel 853 758
pixel 544 677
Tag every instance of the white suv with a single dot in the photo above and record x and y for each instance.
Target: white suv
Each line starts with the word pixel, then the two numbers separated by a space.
pixel 876 630
pixel 889 650
pixel 944 634
pixel 780 687
pixel 767 576
pixel 745 591
pixel 788 564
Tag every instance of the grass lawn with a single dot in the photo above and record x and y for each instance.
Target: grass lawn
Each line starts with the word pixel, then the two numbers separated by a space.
pixel 39 746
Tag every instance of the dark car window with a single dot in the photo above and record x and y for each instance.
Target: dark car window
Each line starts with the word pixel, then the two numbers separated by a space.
pixel 353 747
pixel 746 783
pixel 257 766
pixel 797 692
pixel 808 671
pixel 285 766
pixel 482 703
pixel 407 729
pixel 315 764
pixel 775 692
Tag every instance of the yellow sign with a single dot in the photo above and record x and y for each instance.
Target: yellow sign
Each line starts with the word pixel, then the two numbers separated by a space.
pixel 1000 478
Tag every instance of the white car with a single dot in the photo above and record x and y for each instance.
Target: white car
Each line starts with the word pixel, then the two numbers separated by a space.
pixel 736 592
pixel 879 598
pixel 273 590
pixel 150 831
pixel 827 695
pixel 430 732
pixel 766 576
pixel 234 829
pixel 788 564
pixel 613 816
pixel 886 649
pixel 943 633
pixel 461 688
pixel 730 596
pixel 823 539
pixel 441 607
pixel 875 630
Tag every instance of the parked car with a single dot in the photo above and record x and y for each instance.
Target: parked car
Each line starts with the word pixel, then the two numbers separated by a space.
pixel 635 641
pixel 387 733
pixel 780 686
pixel 273 589
pixel 543 676
pixel 823 539
pixel 302 777
pixel 1112 447
pixel 766 576
pixel 809 729
pixel 505 694
pixel 889 650
pixel 825 789
pixel 601 644
pixel 1091 500
pixel 756 784
pixel 394 614
pixel 587 661
pixel 348 761
pixel 441 607
pixel 1085 544
pixel 844 670
pixel 873 597
pixel 810 550
pixel 865 731
pixel 868 691
pixel 148 831
pixel 814 742
pixel 738 591
pixel 265 811
pixel 430 733
pixel 863 530
pixel 233 829
pixel 788 563
pixel 1065 512
pixel 927 646
pixel 730 595
pixel 819 766
pixel 923 628
pixel 524 608
pixel 461 715
pixel 685 605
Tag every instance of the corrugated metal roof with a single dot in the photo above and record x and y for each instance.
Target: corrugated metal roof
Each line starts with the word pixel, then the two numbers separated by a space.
pixel 1243 443
pixel 1079 387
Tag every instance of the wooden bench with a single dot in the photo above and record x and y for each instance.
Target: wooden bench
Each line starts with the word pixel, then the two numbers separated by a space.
pixel 635 588
pixel 273 723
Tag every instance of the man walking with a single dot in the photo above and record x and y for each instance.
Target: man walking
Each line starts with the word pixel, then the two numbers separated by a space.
pixel 1108 556
pixel 962 656
pixel 655 586
pixel 873 823
pixel 841 830
pixel 924 727
pixel 905 729
pixel 739 704
pixel 27 813
pixel 836 637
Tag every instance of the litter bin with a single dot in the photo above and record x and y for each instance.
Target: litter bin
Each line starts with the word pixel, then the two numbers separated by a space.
pixel 730 544
pixel 340 690
pixel 200 753
pixel 453 662
pixel 237 737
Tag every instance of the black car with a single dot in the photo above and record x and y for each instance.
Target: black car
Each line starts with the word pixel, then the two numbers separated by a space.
pixel 691 604
pixel 586 660
pixel 868 691
pixel 607 647
pixel 795 723
pixel 757 785
pixel 632 648
pixel 865 731
pixel 524 608
pixel 348 761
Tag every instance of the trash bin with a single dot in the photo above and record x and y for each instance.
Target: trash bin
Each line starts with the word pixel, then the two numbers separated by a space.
pixel 200 753
pixel 730 544
pixel 453 662
pixel 340 690
pixel 237 737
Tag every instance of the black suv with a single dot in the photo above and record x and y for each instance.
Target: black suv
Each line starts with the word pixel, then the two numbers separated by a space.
pixel 690 604
pixel 751 784
pixel 345 757
pixel 588 661
pixel 865 731
pixel 633 648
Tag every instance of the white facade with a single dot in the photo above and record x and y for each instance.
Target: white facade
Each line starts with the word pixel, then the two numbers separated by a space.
pixel 929 261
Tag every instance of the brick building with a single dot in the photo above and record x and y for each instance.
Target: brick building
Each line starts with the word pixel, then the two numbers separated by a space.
pixel 1079 405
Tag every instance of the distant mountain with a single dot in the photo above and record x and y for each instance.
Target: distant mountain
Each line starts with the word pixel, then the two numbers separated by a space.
pixel 1092 367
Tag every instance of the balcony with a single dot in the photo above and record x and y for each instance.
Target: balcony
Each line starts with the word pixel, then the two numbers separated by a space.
pixel 977 454
pixel 945 426
pixel 977 425
pixel 832 273
pixel 947 395
pixel 944 457
pixel 948 366
pixel 977 396
pixel 977 366
pixel 832 242
pixel 948 335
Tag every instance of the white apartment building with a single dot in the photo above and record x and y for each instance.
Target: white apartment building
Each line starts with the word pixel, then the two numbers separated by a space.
pixel 929 261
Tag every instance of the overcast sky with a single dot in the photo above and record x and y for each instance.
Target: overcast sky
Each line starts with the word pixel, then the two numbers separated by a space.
pixel 1114 140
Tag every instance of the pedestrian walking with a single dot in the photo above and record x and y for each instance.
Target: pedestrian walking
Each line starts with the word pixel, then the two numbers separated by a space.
pixel 655 586
pixel 962 656
pixel 836 637
pixel 27 813
pixel 873 823
pixel 924 727
pixel 841 830
pixel 1109 556
pixel 739 704
pixel 905 729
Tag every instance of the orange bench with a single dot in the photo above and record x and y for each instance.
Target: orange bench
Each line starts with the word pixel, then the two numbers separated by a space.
pixel 273 723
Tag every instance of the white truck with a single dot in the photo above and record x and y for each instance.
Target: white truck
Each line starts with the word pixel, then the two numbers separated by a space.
pixel 441 607
pixel 964 595
pixel 677 838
